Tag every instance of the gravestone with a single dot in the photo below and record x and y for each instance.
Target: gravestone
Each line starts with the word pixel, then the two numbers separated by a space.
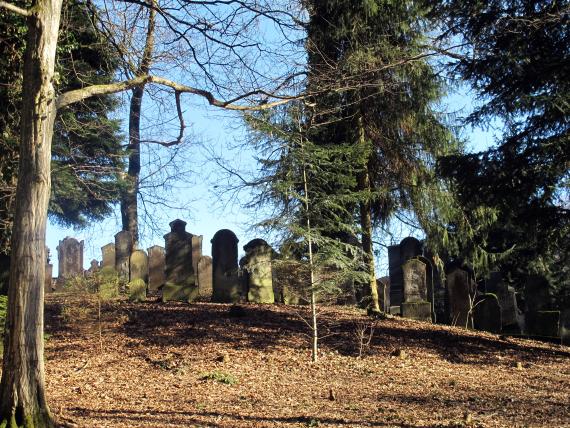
pixel 543 323
pixel 156 265
pixel 139 266
pixel 123 250
pixel 70 258
pixel 537 294
pixel 257 264
pixel 225 281
pixel 397 255
pixel 179 271
pixel 48 286
pixel 461 294
pixel 415 304
pixel 205 277
pixel 487 313
pixel 508 302
pixel 108 253
pixel 383 285
pixel 196 253
pixel 414 274
pixel 93 268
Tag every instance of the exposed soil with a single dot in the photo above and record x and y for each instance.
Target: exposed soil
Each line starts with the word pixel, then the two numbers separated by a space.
pixel 178 365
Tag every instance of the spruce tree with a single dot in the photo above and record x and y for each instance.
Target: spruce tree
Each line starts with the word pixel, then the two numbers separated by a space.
pixel 366 56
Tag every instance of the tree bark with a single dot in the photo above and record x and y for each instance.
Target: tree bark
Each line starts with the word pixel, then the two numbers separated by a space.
pixel 366 226
pixel 22 389
pixel 129 201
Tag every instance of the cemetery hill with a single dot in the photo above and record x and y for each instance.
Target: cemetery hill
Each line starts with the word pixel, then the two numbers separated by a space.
pixel 380 195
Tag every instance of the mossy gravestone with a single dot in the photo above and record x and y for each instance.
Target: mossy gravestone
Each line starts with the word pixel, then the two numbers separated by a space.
pixel 139 266
pixel 108 254
pixel 179 271
pixel 257 264
pixel 461 294
pixel 156 264
pixel 415 304
pixel 137 290
pixel 70 259
pixel 205 277
pixel 225 282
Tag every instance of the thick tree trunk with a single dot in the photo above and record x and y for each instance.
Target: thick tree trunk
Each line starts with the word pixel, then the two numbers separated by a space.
pixel 366 226
pixel 129 201
pixel 22 389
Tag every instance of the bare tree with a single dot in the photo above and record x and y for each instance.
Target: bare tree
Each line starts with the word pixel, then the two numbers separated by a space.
pixel 22 390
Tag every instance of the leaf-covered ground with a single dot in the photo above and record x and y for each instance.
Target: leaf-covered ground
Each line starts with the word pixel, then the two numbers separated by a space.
pixel 177 365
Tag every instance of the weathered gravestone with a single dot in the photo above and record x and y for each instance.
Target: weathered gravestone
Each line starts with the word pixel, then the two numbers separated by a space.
pixel 383 286
pixel 225 285
pixel 196 253
pixel 156 265
pixel 487 313
pixel 257 265
pixel 139 266
pixel 415 305
pixel 70 258
pixel 108 253
pixel 93 268
pixel 508 302
pixel 397 255
pixel 123 250
pixel 461 295
pixel 540 318
pixel 291 281
pixel 205 277
pixel 179 271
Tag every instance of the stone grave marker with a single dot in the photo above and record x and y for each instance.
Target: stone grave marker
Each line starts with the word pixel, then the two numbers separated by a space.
pixel 70 258
pixel 537 294
pixel 123 250
pixel 139 266
pixel 156 265
pixel 225 281
pixel 487 313
pixel 508 302
pixel 108 253
pixel 461 294
pixel 415 304
pixel 258 265
pixel 205 277
pixel 196 253
pixel 179 271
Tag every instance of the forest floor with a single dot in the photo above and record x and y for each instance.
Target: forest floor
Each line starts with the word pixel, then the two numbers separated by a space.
pixel 177 365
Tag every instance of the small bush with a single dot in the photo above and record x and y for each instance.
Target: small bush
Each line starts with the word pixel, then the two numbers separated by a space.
pixel 218 376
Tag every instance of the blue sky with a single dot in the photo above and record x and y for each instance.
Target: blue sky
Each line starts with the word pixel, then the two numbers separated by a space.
pixel 205 212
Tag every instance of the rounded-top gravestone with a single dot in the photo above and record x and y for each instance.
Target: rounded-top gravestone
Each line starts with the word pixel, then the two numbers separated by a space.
pixel 258 265
pixel 225 281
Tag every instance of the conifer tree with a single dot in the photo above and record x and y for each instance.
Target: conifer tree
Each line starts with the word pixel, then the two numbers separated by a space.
pixel 368 56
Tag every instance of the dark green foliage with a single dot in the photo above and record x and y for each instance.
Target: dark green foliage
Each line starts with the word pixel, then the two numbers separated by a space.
pixel 518 60
pixel 87 154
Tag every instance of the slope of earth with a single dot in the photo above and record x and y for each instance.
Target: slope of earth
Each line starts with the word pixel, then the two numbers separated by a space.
pixel 178 365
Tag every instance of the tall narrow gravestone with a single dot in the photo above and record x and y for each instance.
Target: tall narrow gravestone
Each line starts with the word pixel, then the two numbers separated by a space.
pixel 108 253
pixel 415 303
pixel 139 266
pixel 70 258
pixel 123 250
pixel 257 264
pixel 205 277
pixel 487 313
pixel 49 273
pixel 461 294
pixel 508 302
pixel 196 253
pixel 225 281
pixel 156 264
pixel 397 255
pixel 179 271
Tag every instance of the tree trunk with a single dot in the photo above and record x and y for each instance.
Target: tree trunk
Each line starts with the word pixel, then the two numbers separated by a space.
pixel 22 389
pixel 129 201
pixel 366 226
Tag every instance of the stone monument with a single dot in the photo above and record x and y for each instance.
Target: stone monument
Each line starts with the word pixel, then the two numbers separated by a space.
pixel 123 250
pixel 225 281
pixel 257 265
pixel 156 264
pixel 70 258
pixel 179 271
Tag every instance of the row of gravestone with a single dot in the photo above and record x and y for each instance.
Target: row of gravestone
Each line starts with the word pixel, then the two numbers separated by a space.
pixel 179 269
pixel 415 290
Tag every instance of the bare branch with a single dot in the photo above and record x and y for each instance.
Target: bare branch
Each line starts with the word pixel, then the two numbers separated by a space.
pixel 15 9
